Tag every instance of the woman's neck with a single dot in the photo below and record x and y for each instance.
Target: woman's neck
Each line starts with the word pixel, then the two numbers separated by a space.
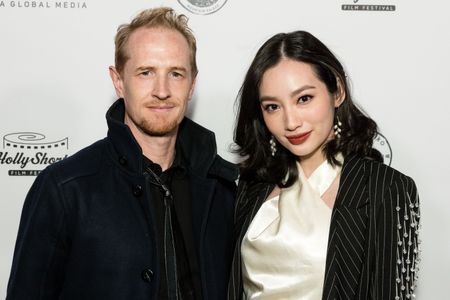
pixel 310 163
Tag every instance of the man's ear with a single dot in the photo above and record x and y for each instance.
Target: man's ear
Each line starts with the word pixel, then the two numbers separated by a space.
pixel 191 91
pixel 117 81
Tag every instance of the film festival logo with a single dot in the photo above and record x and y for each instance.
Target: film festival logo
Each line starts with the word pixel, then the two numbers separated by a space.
pixel 30 4
pixel 202 7
pixel 381 144
pixel 27 153
pixel 356 6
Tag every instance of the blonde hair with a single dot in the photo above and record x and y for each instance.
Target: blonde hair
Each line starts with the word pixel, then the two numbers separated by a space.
pixel 164 17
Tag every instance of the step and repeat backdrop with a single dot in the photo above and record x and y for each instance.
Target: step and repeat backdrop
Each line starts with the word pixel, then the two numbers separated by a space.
pixel 55 88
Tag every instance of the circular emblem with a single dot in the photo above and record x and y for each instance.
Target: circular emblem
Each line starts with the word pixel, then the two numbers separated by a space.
pixel 202 7
pixel 381 144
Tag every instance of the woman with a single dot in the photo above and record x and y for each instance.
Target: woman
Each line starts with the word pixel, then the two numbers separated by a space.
pixel 318 216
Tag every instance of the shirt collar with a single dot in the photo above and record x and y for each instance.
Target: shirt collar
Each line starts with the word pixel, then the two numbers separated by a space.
pixel 178 165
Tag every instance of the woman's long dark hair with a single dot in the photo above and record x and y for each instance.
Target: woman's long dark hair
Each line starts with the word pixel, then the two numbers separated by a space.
pixel 251 134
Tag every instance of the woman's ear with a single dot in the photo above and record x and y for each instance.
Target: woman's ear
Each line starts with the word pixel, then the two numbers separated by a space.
pixel 339 95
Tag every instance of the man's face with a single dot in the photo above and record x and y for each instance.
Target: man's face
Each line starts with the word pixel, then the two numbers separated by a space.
pixel 156 82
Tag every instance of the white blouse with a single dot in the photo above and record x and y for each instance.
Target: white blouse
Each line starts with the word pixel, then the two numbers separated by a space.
pixel 284 249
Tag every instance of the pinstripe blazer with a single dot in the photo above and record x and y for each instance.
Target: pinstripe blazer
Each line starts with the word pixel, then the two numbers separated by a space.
pixel 372 246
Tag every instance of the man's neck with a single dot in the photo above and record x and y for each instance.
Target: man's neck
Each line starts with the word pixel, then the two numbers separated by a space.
pixel 159 149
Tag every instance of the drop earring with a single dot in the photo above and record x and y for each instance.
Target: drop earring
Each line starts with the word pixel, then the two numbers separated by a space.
pixel 337 128
pixel 273 146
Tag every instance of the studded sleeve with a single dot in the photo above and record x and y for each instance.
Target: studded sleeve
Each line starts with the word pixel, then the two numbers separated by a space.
pixel 398 242
pixel 408 243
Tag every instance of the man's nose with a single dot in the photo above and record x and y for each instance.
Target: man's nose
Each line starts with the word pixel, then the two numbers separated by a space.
pixel 161 88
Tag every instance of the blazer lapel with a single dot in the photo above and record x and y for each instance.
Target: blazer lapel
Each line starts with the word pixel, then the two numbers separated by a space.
pixel 250 197
pixel 347 237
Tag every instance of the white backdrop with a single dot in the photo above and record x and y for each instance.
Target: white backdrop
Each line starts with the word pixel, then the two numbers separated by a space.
pixel 54 58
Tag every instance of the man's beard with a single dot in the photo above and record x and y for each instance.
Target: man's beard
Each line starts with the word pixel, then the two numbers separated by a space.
pixel 159 129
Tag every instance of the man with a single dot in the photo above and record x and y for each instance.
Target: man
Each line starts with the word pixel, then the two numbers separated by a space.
pixel 145 213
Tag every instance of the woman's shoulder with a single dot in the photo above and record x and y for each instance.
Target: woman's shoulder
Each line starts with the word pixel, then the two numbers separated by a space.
pixel 248 186
pixel 377 171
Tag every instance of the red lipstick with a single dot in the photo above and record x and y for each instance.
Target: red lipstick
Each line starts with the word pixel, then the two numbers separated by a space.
pixel 298 139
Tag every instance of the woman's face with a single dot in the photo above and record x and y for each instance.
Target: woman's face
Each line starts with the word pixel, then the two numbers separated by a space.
pixel 298 109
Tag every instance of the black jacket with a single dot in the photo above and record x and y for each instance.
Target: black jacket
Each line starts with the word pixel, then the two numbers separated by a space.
pixel 373 239
pixel 87 232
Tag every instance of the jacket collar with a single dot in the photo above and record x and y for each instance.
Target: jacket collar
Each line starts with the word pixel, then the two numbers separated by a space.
pixel 354 177
pixel 347 236
pixel 198 146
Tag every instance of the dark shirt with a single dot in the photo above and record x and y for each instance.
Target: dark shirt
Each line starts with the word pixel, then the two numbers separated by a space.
pixel 176 179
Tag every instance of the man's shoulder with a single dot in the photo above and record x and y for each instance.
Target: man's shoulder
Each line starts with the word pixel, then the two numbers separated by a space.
pixel 198 145
pixel 193 136
pixel 84 162
pixel 224 169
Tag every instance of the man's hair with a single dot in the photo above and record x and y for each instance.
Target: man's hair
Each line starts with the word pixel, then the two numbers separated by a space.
pixel 164 17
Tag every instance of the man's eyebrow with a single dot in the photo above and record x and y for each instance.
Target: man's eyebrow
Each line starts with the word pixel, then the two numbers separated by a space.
pixel 176 68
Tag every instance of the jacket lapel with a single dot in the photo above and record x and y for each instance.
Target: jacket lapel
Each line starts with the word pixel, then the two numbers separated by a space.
pixel 250 198
pixel 202 190
pixel 347 237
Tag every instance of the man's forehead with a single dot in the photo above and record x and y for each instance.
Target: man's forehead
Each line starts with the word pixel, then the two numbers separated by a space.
pixel 158 35
pixel 158 39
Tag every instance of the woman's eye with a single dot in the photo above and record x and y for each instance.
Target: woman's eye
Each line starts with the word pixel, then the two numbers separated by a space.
pixel 270 107
pixel 304 98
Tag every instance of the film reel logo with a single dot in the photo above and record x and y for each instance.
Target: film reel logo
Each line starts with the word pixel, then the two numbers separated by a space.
pixel 202 7
pixel 29 152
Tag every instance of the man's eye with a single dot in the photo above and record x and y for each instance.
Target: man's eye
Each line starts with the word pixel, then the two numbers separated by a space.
pixel 177 74
pixel 145 73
